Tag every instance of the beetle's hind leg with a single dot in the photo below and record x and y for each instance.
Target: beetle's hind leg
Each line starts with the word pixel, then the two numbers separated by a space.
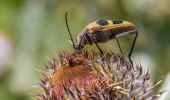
pixel 131 50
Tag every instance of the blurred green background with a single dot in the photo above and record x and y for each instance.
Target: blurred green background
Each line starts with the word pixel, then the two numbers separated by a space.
pixel 32 31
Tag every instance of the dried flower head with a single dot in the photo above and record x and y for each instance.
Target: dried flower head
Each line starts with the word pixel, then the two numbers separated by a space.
pixel 90 76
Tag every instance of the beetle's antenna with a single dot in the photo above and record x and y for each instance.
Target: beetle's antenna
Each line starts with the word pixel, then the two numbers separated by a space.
pixel 71 38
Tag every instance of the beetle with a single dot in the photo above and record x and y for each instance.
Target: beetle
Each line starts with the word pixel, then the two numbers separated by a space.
pixel 102 31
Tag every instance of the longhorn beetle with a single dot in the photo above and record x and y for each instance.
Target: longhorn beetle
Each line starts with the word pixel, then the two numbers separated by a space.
pixel 102 31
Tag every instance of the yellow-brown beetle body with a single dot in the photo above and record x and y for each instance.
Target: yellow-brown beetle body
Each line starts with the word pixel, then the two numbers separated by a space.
pixel 102 31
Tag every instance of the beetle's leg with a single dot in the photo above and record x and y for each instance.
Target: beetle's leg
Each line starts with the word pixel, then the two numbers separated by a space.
pixel 79 45
pixel 133 44
pixel 113 35
pixel 120 49
pixel 131 50
pixel 97 45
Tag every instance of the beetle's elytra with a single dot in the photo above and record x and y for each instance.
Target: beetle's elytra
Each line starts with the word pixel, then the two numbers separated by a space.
pixel 102 31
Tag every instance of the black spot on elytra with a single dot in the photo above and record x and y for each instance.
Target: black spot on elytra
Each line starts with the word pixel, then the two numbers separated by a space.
pixel 117 21
pixel 102 22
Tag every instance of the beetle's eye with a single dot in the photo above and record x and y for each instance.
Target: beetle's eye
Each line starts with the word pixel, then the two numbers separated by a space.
pixel 117 21
pixel 102 22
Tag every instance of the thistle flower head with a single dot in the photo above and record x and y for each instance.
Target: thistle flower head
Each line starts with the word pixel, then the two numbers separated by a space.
pixel 90 76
